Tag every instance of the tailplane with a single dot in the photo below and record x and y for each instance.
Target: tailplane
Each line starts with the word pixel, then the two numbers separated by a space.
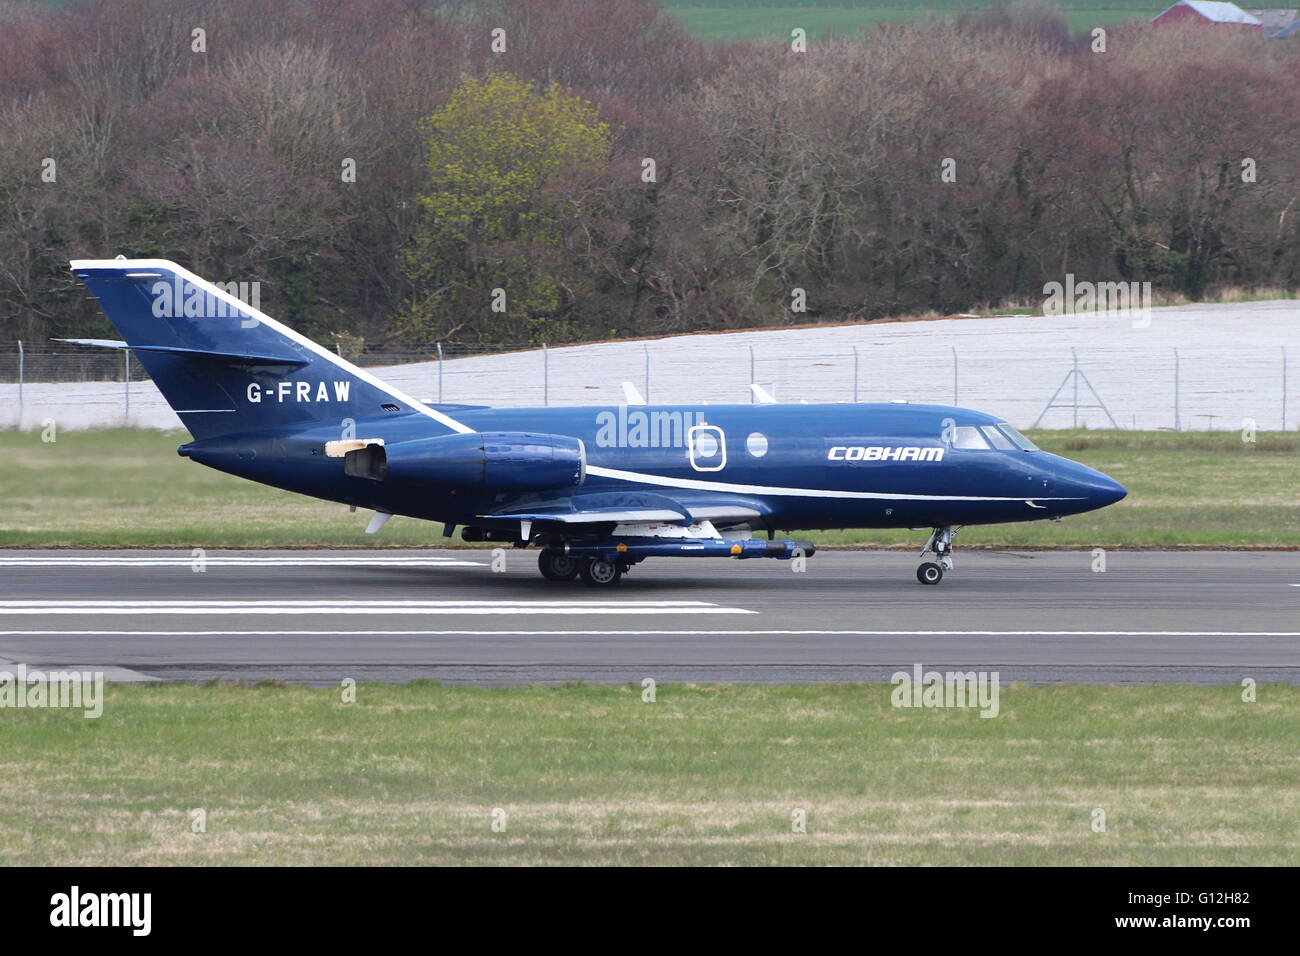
pixel 224 366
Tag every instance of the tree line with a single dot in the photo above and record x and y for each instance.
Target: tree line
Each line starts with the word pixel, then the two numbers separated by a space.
pixel 508 172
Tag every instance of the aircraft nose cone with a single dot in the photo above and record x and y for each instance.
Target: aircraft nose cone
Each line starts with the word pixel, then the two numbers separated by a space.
pixel 1083 488
pixel 1108 491
pixel 1098 490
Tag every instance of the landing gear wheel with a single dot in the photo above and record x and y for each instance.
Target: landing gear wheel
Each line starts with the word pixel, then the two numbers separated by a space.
pixel 929 573
pixel 599 574
pixel 557 566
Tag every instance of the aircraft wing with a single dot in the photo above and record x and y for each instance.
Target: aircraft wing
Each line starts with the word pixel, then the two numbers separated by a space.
pixel 626 507
pixel 593 516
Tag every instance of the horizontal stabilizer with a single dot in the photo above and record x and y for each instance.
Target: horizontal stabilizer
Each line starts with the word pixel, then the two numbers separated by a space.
pixel 97 343
pixel 225 358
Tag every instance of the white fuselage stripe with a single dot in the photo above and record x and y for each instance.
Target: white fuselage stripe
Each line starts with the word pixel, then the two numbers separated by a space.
pixel 698 485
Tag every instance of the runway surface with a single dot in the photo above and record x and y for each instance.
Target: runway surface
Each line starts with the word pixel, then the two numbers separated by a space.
pixel 319 617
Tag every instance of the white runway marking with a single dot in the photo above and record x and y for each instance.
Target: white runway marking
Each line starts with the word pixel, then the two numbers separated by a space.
pixel 231 561
pixel 658 633
pixel 43 608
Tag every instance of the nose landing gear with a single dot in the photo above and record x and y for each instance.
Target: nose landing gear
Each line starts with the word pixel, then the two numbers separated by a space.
pixel 931 572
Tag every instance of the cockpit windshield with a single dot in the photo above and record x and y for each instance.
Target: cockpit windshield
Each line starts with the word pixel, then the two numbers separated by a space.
pixel 968 437
pixel 1021 441
pixel 999 441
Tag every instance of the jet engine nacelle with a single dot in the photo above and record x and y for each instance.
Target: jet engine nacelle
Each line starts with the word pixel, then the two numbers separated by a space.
pixel 488 461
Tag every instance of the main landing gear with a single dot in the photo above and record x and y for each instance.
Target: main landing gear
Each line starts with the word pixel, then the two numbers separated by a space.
pixel 602 561
pixel 931 572
pixel 595 573
pixel 557 566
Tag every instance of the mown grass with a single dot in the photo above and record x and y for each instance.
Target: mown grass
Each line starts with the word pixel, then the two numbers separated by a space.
pixel 704 775
pixel 124 488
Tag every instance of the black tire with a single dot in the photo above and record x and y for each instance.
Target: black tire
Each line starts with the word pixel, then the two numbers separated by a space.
pixel 929 573
pixel 557 566
pixel 599 574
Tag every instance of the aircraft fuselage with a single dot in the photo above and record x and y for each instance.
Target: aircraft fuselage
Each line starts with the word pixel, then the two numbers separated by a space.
pixel 798 466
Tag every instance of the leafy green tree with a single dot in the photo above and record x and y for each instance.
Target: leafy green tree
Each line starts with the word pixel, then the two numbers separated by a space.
pixel 508 166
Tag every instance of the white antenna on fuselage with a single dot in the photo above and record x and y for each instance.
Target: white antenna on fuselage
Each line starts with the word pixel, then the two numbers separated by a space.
pixel 631 395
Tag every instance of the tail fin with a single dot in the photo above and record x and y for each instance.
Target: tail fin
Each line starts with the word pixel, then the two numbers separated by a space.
pixel 225 367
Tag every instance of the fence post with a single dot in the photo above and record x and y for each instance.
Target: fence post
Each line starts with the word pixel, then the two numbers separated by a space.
pixel 1177 422
pixel 546 375
pixel 439 373
pixel 20 385
pixel 1072 379
pixel 1074 356
pixel 954 375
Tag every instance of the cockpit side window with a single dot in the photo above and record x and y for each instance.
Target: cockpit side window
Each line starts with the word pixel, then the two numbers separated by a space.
pixel 968 437
pixel 1000 441
pixel 1023 443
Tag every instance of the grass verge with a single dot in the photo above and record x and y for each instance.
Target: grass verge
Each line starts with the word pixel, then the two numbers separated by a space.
pixel 704 775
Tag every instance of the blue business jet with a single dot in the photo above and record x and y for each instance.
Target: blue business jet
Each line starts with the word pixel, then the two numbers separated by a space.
pixel 596 489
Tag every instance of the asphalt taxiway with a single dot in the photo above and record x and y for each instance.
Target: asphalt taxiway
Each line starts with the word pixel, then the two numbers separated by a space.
pixel 322 616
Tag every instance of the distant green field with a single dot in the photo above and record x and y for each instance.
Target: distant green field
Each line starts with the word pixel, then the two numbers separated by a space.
pixel 758 21
pixel 710 775
pixel 129 488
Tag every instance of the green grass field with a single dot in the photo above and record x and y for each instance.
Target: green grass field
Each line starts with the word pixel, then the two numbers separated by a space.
pixel 704 775
pixel 125 488
pixel 756 21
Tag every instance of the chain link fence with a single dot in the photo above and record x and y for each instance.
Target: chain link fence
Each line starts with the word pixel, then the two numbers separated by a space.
pixel 1125 384
pixel 22 364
